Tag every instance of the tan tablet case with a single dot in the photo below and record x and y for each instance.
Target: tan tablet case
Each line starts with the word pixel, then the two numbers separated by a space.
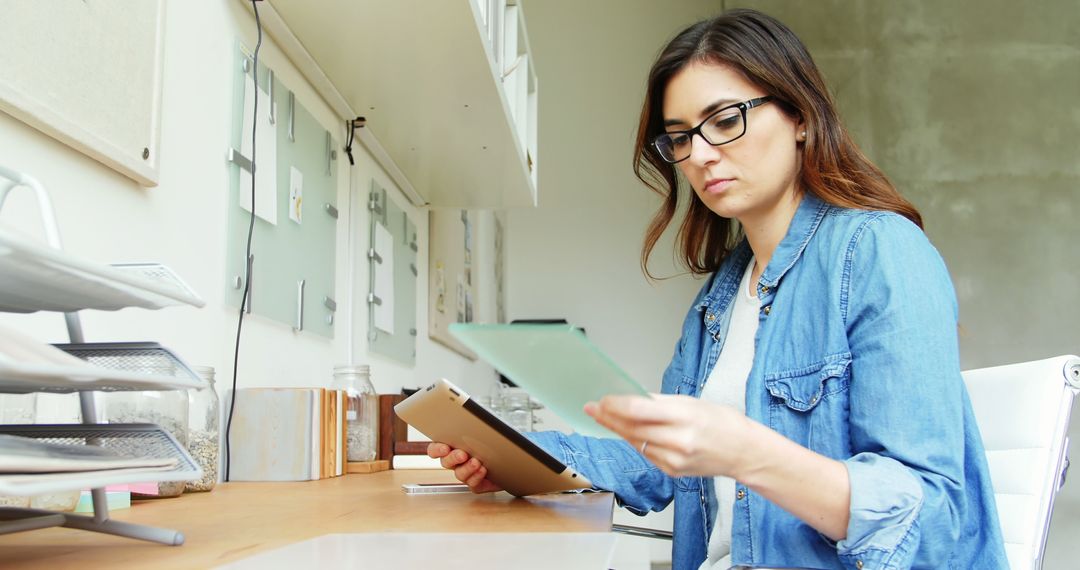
pixel 445 413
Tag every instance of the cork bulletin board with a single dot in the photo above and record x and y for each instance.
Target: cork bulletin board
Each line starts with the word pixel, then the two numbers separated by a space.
pixel 452 275
pixel 88 74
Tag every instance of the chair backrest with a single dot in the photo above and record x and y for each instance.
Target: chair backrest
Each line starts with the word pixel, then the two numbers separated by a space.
pixel 1023 414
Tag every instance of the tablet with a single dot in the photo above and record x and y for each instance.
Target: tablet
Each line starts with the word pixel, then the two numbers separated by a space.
pixel 445 413
pixel 555 364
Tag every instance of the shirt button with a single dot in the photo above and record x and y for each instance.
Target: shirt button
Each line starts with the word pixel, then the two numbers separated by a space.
pixel 709 317
pixel 764 290
pixel 767 309
pixel 740 495
pixel 813 399
pixel 858 564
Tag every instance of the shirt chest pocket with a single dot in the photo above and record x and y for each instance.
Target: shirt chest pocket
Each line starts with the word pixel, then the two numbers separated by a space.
pixel 809 405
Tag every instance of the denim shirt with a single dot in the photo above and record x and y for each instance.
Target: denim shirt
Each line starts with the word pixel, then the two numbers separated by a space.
pixel 856 358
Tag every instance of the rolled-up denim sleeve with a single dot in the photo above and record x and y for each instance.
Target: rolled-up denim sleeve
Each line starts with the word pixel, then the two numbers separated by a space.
pixel 611 465
pixel 907 402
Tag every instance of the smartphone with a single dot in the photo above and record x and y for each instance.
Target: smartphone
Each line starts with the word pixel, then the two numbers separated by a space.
pixel 434 488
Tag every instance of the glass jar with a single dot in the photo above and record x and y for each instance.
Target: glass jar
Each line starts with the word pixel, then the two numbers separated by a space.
pixel 204 413
pixel 517 408
pixel 361 411
pixel 61 501
pixel 166 408
pixel 17 409
pixel 64 409
pixel 22 409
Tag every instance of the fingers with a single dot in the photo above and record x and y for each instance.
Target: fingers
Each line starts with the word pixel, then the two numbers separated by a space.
pixel 436 450
pixel 477 478
pixel 448 457
pixel 624 415
pixel 670 424
pixel 467 469
pixel 474 474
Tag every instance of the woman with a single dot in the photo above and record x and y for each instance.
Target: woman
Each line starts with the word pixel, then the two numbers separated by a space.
pixel 813 413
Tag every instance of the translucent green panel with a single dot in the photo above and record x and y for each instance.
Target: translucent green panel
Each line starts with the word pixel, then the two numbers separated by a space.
pixel 555 364
pixel 400 345
pixel 286 253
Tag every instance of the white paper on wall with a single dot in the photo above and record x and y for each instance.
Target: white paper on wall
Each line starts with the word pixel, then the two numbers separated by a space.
pixel 384 279
pixel 265 155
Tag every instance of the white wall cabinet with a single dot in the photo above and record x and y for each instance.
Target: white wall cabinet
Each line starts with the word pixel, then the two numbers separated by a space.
pixel 447 88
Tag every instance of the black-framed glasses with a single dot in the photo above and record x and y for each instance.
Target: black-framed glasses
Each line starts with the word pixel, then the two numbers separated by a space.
pixel 721 127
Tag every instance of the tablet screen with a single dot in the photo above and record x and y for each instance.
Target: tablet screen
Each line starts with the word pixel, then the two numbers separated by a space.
pixel 555 364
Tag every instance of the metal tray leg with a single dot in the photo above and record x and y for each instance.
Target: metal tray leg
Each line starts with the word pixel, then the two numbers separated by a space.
pixel 138 531
pixel 15 519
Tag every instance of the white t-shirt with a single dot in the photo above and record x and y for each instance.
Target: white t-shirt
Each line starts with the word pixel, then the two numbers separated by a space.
pixel 727 385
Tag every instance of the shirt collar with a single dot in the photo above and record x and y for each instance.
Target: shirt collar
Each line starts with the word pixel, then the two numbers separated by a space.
pixel 807 218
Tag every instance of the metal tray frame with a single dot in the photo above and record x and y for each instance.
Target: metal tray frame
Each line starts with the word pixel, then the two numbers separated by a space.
pixel 18 519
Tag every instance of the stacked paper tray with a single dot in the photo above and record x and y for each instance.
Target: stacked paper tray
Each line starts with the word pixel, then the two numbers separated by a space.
pixel 28 365
pixel 143 440
pixel 36 277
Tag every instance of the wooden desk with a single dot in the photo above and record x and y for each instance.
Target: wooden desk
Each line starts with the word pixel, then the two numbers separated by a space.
pixel 236 520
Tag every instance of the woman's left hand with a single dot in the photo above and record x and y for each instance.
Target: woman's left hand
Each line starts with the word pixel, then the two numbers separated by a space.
pixel 681 435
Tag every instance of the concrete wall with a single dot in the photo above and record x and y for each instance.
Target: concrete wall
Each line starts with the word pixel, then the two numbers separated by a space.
pixel 970 107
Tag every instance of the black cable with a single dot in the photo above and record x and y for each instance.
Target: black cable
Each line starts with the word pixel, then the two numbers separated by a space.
pixel 251 230
pixel 351 136
pixel 348 142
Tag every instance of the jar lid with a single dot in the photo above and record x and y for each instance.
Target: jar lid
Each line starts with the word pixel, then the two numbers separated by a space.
pixel 352 369
pixel 204 372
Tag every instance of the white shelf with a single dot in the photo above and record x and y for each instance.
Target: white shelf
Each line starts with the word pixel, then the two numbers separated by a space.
pixel 36 277
pixel 151 440
pixel 428 77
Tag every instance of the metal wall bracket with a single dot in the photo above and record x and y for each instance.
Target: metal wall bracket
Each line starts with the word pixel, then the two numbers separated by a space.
pixel 240 160
pixel 292 117
pixel 270 92
pixel 374 205
pixel 300 305
pixel 331 154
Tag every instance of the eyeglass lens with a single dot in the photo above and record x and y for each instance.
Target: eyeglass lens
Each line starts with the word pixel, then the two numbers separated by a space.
pixel 723 127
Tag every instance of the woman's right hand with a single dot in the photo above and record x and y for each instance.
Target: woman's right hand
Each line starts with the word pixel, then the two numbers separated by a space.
pixel 467 469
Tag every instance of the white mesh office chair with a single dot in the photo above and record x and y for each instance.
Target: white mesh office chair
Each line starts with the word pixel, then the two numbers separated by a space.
pixel 1023 414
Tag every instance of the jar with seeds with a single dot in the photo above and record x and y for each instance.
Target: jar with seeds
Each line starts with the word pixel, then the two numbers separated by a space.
pixel 17 409
pixel 166 408
pixel 361 411
pixel 204 409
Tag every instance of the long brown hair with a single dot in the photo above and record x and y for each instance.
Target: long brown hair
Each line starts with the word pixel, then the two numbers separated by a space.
pixel 770 56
